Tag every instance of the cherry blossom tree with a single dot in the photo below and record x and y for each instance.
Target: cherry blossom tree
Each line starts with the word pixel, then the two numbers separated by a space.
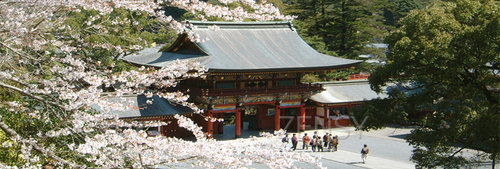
pixel 48 85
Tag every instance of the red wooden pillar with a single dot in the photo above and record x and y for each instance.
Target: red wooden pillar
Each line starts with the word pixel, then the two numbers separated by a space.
pixel 238 123
pixel 210 124
pixel 277 117
pixel 326 117
pixel 302 117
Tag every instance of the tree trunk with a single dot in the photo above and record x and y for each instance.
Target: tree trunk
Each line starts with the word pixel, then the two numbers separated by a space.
pixel 493 157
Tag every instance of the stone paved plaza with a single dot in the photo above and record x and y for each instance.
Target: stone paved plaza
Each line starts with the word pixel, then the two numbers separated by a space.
pixel 388 148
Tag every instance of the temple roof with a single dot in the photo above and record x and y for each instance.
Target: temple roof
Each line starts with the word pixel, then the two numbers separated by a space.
pixel 140 108
pixel 346 92
pixel 243 47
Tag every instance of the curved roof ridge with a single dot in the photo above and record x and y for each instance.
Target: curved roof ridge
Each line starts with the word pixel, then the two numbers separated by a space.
pixel 246 47
pixel 244 25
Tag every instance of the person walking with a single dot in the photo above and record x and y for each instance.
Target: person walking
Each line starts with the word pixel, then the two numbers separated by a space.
pixel 295 141
pixel 314 144
pixel 326 140
pixel 285 140
pixel 335 142
pixel 330 142
pixel 319 144
pixel 305 142
pixel 364 153
pixel 315 134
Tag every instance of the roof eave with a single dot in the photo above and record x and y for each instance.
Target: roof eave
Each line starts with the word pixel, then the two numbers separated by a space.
pixel 306 69
pixel 339 103
pixel 206 24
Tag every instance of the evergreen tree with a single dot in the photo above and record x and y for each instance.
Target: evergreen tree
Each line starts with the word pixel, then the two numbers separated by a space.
pixel 447 56
pixel 397 9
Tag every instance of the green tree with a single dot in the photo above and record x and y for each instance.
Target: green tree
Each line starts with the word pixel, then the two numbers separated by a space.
pixel 312 18
pixel 120 28
pixel 336 25
pixel 344 27
pixel 450 54
pixel 393 12
pixel 344 36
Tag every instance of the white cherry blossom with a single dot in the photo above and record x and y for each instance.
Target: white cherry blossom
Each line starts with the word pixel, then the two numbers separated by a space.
pixel 61 87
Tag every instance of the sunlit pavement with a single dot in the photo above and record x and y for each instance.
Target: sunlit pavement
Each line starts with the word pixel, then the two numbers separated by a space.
pixel 388 149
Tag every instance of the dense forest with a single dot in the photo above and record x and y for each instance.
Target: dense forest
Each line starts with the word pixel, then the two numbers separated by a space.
pixel 349 28
pixel 346 27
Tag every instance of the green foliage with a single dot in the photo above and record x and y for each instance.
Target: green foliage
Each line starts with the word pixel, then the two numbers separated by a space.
pixel 27 124
pixel 450 52
pixel 378 114
pixel 119 28
pixel 398 9
pixel 344 27
pixel 322 19
pixel 9 155
pixel 310 78
pixel 335 75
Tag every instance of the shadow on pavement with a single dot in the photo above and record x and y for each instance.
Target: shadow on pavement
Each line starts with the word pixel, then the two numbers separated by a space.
pixel 400 136
pixel 229 132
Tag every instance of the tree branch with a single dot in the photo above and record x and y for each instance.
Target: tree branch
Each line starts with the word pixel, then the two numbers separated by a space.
pixel 32 95
pixel 37 147
pixel 44 101
pixel 16 52
pixel 456 152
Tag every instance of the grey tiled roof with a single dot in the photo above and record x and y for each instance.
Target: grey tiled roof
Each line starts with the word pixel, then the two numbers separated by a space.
pixel 246 47
pixel 347 92
pixel 139 107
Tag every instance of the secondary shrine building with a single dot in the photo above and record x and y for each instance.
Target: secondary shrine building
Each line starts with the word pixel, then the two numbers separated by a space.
pixel 254 71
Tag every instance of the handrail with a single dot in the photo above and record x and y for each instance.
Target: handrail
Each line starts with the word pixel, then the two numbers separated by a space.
pixel 232 92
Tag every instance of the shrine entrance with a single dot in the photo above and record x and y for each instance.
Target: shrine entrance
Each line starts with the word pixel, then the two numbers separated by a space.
pixel 250 117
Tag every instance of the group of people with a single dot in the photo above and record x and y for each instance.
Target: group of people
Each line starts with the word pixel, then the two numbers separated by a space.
pixel 318 144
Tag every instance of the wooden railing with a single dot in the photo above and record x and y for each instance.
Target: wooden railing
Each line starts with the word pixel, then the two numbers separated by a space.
pixel 241 92
pixel 359 76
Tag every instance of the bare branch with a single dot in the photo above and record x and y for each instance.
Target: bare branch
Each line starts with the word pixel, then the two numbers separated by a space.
pixel 457 152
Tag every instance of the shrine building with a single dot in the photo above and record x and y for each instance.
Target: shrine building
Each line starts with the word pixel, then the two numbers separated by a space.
pixel 333 105
pixel 254 70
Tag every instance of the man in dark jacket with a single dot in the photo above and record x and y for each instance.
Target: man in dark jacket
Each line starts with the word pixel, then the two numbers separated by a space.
pixel 294 142
pixel 364 153
pixel 326 140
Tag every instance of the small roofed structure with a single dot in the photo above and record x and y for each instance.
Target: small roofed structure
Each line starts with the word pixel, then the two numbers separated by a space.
pixel 243 47
pixel 338 98
pixel 346 92
pixel 141 108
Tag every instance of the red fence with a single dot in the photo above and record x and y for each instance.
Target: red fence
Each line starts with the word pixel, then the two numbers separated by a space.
pixel 358 76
